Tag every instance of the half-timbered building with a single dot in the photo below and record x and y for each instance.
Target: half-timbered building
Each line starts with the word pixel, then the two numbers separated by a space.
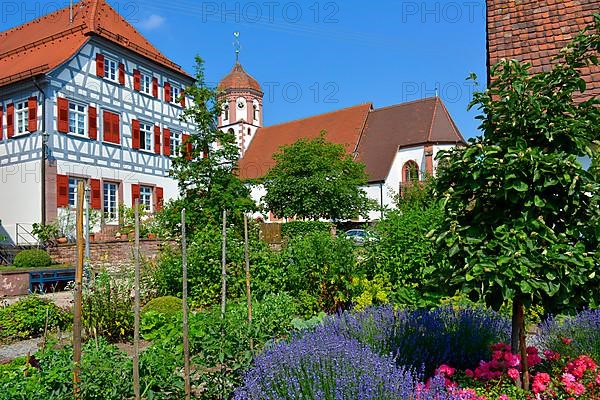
pixel 85 97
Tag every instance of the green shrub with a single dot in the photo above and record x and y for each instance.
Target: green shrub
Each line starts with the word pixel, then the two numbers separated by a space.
pixel 108 307
pixel 301 228
pixel 27 318
pixel 167 305
pixel 33 258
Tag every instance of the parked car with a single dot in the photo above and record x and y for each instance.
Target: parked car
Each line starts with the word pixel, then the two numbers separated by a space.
pixel 360 236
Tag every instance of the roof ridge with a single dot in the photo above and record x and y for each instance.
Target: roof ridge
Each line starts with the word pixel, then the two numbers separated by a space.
pixel 404 104
pixel 93 4
pixel 433 114
pixel 318 115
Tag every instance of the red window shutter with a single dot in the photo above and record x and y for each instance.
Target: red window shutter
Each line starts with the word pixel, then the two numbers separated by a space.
pixel 92 123
pixel 159 196
pixel 96 200
pixel 155 87
pixel 166 142
pixel 63 115
pixel 116 129
pixel 185 139
pixel 100 65
pixel 137 80
pixel 156 139
pixel 182 100
pixel 122 73
pixel 32 106
pixel 1 122
pixel 135 194
pixel 107 126
pixel 167 92
pixel 135 134
pixel 10 120
pixel 62 191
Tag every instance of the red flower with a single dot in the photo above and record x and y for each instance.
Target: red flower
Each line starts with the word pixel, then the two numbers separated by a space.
pixel 566 340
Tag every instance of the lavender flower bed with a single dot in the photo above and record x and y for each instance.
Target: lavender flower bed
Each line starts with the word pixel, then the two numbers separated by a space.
pixel 573 336
pixel 423 338
pixel 323 365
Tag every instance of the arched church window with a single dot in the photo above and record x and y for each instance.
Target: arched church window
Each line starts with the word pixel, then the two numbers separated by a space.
pixel 410 172
pixel 255 106
pixel 226 112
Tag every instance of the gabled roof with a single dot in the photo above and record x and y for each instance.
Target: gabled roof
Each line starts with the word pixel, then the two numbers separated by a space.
pixel 43 44
pixel 388 129
pixel 343 127
pixel 375 135
pixel 238 78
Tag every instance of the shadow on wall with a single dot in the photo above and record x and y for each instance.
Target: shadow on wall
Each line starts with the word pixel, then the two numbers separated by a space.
pixel 5 238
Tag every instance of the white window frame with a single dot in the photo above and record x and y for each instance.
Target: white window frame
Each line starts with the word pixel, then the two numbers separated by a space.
pixel 111 69
pixel 175 92
pixel 146 197
pixel 21 117
pixel 73 183
pixel 80 127
pixel 175 142
pixel 110 210
pixel 146 83
pixel 146 136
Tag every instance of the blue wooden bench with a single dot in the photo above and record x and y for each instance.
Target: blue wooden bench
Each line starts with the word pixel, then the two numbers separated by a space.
pixel 41 281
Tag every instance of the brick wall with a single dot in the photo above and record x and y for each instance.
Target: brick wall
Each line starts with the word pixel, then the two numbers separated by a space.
pixel 108 254
pixel 14 283
pixel 535 31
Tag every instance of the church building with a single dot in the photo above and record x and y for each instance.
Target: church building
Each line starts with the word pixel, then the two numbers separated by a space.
pixel 398 144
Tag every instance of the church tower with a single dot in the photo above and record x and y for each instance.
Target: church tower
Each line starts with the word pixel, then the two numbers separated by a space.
pixel 241 101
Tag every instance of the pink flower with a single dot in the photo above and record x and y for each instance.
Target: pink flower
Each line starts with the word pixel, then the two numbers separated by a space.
pixel 566 340
pixel 445 370
pixel 598 379
pixel 470 374
pixel 513 373
pixel 512 360
pixel 503 397
pixel 551 355
pixel 540 382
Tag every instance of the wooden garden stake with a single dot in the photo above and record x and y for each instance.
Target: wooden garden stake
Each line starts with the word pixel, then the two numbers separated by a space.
pixel 248 290
pixel 223 297
pixel 186 338
pixel 45 330
pixel 78 293
pixel 136 307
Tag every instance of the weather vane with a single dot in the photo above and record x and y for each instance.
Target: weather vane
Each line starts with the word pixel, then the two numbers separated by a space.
pixel 237 45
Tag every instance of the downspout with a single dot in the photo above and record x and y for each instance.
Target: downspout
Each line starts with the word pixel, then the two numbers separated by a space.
pixel 44 149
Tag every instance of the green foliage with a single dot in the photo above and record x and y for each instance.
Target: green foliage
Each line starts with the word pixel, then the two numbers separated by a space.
pixel 27 318
pixel 405 253
pixel 321 267
pixel 315 179
pixel 521 212
pixel 106 373
pixel 370 292
pixel 44 232
pixel 165 305
pixel 33 258
pixel 204 267
pixel 206 178
pixel 108 307
pixel 300 228
pixel 271 319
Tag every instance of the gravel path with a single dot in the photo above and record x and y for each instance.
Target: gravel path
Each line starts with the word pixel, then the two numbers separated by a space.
pixel 19 349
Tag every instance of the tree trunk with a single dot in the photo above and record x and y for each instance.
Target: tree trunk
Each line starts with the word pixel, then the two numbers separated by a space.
pixel 514 337
pixel 517 340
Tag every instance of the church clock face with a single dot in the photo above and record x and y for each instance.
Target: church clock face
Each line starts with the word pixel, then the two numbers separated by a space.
pixel 241 105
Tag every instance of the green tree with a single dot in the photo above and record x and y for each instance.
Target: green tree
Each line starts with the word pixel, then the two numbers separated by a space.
pixel 313 179
pixel 521 212
pixel 205 172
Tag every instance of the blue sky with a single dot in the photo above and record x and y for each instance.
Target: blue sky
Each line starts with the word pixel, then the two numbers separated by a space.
pixel 317 56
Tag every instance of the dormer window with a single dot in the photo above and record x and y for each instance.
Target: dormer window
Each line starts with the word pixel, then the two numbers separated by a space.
pixel 110 69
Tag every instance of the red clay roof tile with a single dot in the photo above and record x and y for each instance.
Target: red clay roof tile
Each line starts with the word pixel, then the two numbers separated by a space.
pixel 43 44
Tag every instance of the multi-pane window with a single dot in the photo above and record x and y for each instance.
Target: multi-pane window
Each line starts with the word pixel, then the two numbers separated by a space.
pixel 110 69
pixel 146 84
pixel 73 183
pixel 146 136
pixel 146 197
pixel 175 143
pixel 77 118
pixel 21 117
pixel 175 91
pixel 111 200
